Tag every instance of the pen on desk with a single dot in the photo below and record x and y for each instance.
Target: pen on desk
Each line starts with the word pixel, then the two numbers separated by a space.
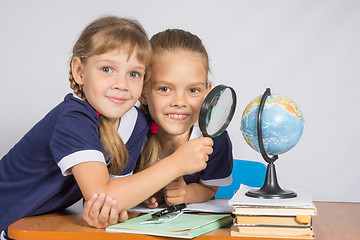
pixel 168 210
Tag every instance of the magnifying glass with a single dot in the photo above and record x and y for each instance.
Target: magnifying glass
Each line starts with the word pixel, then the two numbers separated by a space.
pixel 217 111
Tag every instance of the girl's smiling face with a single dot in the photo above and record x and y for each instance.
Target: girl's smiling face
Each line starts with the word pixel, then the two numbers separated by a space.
pixel 176 90
pixel 112 82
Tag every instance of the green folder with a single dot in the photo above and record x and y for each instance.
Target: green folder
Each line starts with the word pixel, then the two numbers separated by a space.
pixel 184 226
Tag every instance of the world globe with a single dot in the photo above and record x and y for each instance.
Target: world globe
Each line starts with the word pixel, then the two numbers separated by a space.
pixel 282 124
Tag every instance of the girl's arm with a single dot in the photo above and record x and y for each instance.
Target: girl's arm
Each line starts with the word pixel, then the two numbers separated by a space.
pixel 101 211
pixel 93 177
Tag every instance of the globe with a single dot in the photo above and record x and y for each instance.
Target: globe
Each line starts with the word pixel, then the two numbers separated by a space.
pixel 282 124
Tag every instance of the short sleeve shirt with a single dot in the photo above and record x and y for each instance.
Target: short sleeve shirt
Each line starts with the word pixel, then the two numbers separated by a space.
pixel 35 175
pixel 220 163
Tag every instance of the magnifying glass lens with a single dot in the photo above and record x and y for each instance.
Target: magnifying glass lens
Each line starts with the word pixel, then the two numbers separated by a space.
pixel 217 111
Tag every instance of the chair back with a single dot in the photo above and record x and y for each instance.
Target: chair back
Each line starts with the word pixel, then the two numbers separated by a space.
pixel 250 173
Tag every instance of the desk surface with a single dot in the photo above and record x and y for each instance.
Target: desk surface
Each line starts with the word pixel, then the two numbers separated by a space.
pixel 335 221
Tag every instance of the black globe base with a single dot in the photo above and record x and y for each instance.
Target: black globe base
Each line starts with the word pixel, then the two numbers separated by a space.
pixel 264 193
pixel 271 188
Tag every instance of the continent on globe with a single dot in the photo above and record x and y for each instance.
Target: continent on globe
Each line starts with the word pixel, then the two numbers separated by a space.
pixel 282 124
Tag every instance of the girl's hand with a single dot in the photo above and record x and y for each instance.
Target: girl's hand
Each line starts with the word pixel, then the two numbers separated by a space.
pixel 174 192
pixel 192 156
pixel 154 201
pixel 100 211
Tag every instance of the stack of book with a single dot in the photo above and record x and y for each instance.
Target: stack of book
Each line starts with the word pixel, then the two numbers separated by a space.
pixel 289 218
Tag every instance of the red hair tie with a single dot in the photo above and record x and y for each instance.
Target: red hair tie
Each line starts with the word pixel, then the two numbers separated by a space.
pixel 98 113
pixel 154 127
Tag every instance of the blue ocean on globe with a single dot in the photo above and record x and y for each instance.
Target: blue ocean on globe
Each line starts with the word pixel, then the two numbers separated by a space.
pixel 282 124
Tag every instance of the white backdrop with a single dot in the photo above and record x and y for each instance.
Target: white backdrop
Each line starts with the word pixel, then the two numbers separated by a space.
pixel 308 50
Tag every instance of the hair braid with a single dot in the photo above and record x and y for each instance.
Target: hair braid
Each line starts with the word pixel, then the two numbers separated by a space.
pixel 76 87
pixel 113 143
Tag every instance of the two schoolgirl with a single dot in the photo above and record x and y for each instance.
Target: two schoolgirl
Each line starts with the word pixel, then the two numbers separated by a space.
pixel 91 141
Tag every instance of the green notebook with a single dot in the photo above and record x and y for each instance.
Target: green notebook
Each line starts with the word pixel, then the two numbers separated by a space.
pixel 184 226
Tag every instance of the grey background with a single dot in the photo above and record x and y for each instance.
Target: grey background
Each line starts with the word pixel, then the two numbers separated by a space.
pixel 307 50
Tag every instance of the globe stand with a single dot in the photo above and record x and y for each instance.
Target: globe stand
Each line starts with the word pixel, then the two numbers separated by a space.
pixel 271 188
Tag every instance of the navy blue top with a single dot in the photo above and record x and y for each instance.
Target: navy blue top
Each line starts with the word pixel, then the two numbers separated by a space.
pixel 35 175
pixel 220 163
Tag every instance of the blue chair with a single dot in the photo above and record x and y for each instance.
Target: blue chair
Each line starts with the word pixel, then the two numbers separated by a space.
pixel 245 172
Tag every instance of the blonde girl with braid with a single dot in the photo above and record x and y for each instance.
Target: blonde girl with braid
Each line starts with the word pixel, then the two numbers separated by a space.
pixel 88 145
pixel 172 98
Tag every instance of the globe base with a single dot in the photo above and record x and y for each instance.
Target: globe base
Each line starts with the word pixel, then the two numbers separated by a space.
pixel 261 193
pixel 271 188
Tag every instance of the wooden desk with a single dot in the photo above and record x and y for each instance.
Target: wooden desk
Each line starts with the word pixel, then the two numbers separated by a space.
pixel 335 221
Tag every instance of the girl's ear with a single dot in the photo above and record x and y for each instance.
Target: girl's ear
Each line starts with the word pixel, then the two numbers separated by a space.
pixel 209 86
pixel 77 70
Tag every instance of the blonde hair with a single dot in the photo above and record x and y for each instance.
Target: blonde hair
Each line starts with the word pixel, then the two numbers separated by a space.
pixel 170 40
pixel 100 36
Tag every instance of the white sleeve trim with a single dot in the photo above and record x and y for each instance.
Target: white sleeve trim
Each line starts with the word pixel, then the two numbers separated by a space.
pixel 2 235
pixel 75 158
pixel 218 182
pixel 127 124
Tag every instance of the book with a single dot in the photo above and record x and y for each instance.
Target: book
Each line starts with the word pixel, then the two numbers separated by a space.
pixel 279 231
pixel 184 226
pixel 300 205
pixel 285 221
pixel 278 211
pixel 271 232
